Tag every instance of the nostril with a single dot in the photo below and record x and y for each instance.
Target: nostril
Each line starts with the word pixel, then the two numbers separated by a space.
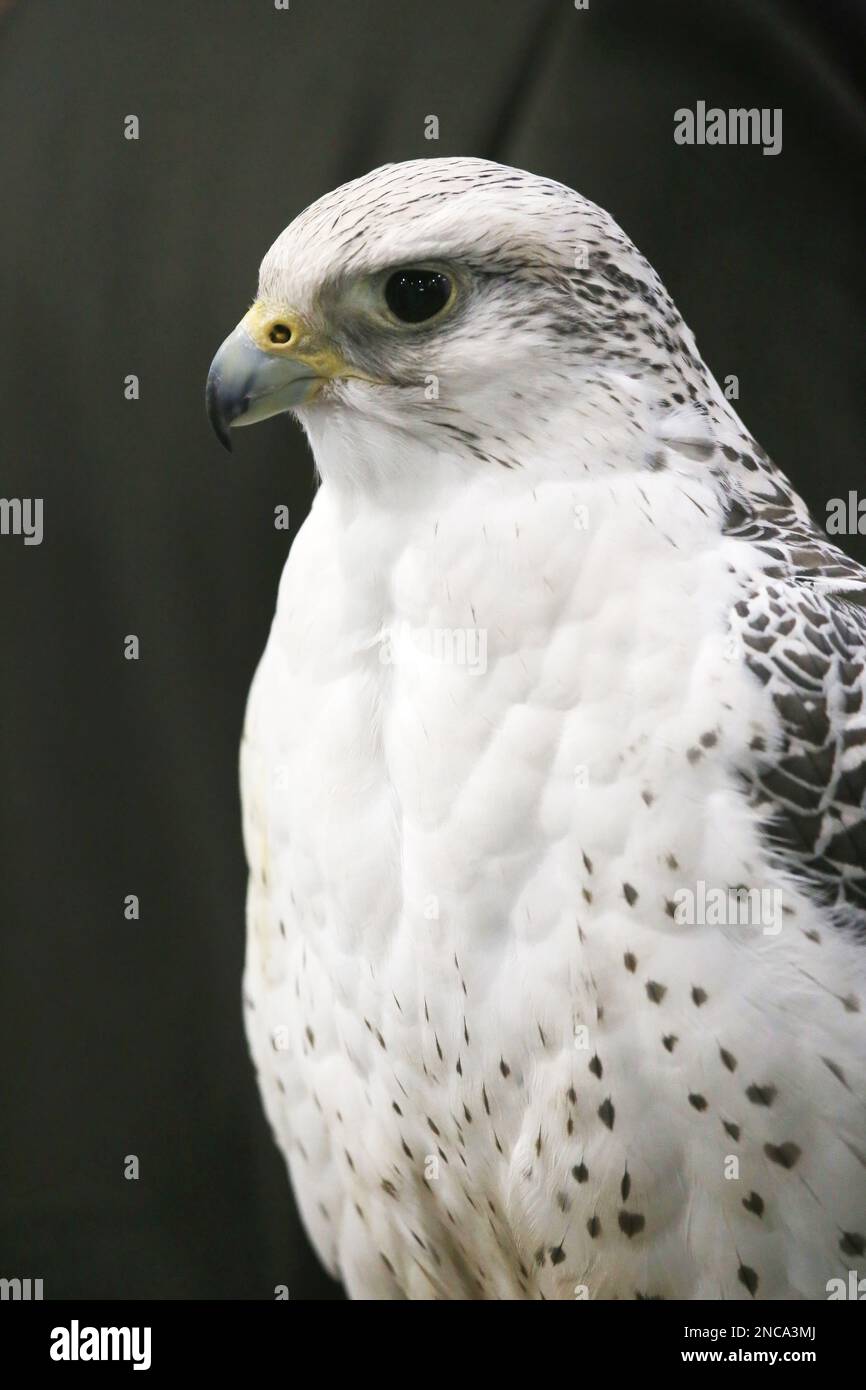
pixel 280 333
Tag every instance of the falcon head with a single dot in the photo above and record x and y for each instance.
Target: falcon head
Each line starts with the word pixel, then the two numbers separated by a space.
pixel 466 305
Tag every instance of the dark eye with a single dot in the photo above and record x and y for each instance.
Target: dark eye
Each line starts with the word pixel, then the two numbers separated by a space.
pixel 416 295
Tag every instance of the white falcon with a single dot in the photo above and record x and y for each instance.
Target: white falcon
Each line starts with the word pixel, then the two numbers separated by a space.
pixel 553 774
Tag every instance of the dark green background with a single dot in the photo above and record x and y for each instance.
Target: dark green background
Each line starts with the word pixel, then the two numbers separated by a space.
pixel 120 257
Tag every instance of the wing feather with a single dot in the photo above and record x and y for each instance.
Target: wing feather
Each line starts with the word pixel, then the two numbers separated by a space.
pixel 801 626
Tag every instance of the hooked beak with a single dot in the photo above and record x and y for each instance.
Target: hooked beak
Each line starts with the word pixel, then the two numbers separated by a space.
pixel 269 364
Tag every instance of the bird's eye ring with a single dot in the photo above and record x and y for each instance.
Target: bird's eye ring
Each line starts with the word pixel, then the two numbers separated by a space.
pixel 416 295
pixel 280 333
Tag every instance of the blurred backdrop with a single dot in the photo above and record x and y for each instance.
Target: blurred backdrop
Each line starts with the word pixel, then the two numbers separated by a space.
pixel 123 257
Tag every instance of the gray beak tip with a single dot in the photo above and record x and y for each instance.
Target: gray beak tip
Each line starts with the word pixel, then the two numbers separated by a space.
pixel 216 413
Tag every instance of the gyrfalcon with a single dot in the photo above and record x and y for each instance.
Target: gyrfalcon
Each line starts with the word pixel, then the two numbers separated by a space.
pixel 553 773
